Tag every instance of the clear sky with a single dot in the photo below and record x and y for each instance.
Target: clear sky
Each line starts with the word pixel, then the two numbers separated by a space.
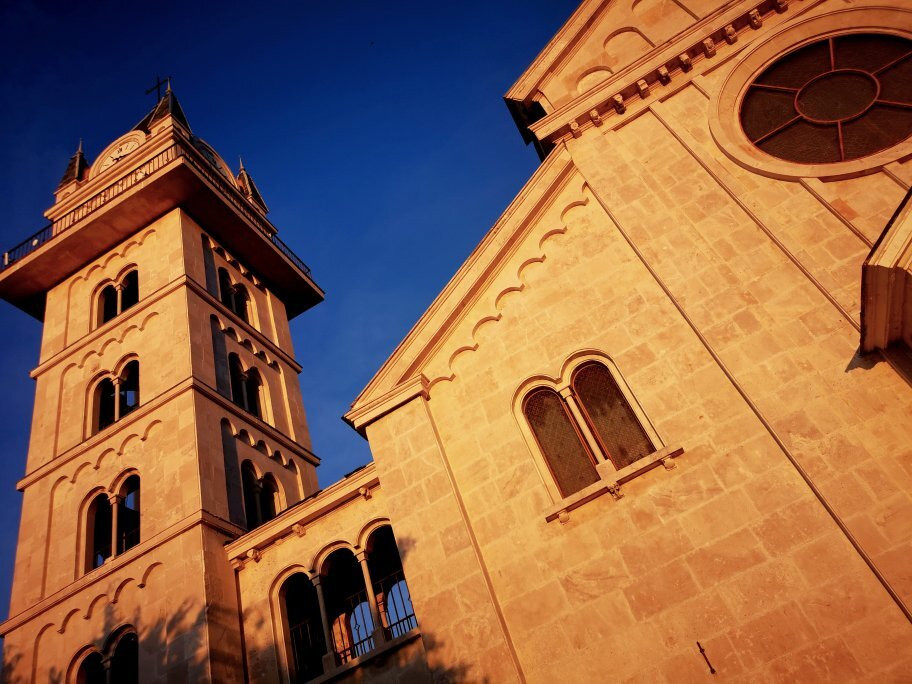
pixel 376 132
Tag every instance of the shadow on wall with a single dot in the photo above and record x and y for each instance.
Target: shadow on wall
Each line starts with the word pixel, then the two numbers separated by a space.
pixel 171 649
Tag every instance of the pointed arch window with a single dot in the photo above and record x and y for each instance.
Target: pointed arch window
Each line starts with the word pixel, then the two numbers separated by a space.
pixel 116 298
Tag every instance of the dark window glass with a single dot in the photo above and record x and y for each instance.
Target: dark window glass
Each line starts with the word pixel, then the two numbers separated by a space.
pixel 238 383
pixel 240 303
pixel 226 290
pixel 562 446
pixel 100 527
pixel 91 670
pixel 129 388
pixel 251 487
pixel 837 99
pixel 609 416
pixel 268 499
pixel 125 660
pixel 107 304
pixel 305 625
pixel 130 294
pixel 252 387
pixel 104 397
pixel 128 515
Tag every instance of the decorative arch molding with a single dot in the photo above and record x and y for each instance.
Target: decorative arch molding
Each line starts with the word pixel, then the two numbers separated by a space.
pixel 516 286
pixel 245 342
pixel 320 557
pixel 368 529
pixel 259 443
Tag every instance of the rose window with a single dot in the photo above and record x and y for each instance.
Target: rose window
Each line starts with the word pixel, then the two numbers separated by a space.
pixel 833 100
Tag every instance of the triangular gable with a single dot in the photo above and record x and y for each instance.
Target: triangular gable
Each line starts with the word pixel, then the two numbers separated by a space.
pixel 433 327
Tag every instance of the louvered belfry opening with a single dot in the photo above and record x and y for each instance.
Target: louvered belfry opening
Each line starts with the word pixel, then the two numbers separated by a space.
pixel 570 461
pixel 836 99
pixel 610 417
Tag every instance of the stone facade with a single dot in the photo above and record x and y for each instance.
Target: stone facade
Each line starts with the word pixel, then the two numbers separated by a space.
pixel 750 309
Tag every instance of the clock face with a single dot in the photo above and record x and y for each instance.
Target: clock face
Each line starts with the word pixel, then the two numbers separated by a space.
pixel 117 154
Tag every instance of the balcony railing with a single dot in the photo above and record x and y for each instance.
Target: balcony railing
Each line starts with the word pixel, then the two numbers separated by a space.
pixel 142 173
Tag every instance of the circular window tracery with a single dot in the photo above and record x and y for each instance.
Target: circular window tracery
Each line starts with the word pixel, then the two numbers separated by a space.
pixel 837 99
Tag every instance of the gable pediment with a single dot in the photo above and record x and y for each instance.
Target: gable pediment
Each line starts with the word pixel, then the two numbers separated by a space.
pixel 476 294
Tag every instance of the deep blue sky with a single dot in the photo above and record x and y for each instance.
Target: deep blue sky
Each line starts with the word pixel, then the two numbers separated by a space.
pixel 376 132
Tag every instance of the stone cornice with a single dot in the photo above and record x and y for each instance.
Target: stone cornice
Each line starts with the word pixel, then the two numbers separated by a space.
pixel 886 283
pixel 294 520
pixel 199 518
pixel 187 385
pixel 663 70
pixel 469 281
pixel 366 414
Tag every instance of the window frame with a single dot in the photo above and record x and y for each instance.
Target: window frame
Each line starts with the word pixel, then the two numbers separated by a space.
pixel 562 385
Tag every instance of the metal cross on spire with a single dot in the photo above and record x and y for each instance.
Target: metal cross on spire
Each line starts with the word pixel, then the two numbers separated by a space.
pixel 158 86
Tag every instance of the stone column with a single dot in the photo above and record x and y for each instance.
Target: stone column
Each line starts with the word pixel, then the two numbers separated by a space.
pixel 115 514
pixel 575 411
pixel 329 658
pixel 378 635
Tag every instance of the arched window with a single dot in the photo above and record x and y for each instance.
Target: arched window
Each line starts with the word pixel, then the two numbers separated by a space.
pixel 105 404
pixel 107 304
pixel 251 486
pixel 98 532
pixel 129 294
pixel 233 296
pixel 91 670
pixel 252 389
pixel 112 400
pixel 238 380
pixel 241 299
pixel 116 298
pixel 269 499
pixel 128 515
pixel 226 289
pixel 394 603
pixel 347 607
pixel 129 388
pixel 246 387
pixel 125 659
pixel 305 628
pixel 609 416
pixel 565 451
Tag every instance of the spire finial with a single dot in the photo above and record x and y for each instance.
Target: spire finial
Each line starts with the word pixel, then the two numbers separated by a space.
pixel 241 161
pixel 79 149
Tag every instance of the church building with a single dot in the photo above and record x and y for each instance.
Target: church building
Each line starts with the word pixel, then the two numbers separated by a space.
pixel 657 427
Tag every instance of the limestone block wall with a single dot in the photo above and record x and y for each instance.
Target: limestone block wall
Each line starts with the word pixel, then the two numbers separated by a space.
pixel 159 447
pixel 161 594
pixel 298 542
pixel 734 353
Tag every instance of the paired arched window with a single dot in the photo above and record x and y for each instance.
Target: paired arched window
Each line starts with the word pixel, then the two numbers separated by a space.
pixel 261 496
pixel 366 603
pixel 233 295
pixel 246 386
pixel 116 397
pixel 112 523
pixel 593 405
pixel 120 659
pixel 116 298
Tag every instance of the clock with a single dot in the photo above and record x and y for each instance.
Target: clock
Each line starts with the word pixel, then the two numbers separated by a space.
pixel 116 154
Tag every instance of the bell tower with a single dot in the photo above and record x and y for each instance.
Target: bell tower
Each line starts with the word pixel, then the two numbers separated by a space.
pixel 168 418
